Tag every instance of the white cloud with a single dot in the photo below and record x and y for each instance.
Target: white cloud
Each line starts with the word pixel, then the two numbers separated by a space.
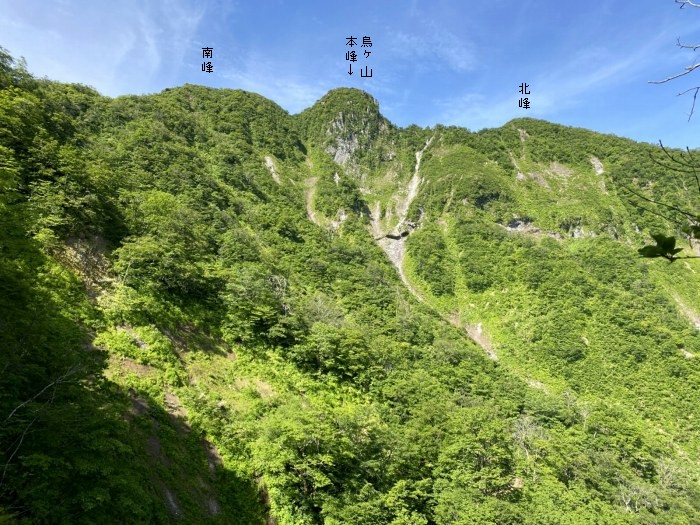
pixel 555 89
pixel 476 110
pixel 271 79
pixel 439 47
pixel 118 48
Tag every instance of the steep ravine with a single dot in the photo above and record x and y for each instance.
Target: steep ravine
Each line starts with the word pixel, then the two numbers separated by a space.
pixel 308 199
pixel 395 250
pixel 393 244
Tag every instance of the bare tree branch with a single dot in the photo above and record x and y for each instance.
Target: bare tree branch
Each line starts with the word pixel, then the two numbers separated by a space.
pixel 694 47
pixel 688 69
pixel 695 96
pixel 681 164
pixel 21 439
pixel 669 219
pixel 687 2
pixel 61 379
pixel 669 206
pixel 690 155
pixel 690 163
pixel 668 167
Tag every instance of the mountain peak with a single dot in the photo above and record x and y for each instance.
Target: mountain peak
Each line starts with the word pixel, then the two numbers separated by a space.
pixel 345 121
pixel 349 97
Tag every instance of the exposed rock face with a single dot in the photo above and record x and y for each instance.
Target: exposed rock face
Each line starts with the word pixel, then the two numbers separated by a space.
pixel 401 203
pixel 343 149
pixel 271 166
pixel 344 123
pixel 341 218
pixel 524 225
pixel 519 224
pixel 308 199
pixel 477 334
pixel 396 250
pixel 539 179
pixel 404 204
pixel 393 243
pixel 597 166
pixel 173 504
pixel 579 233
pixel 560 170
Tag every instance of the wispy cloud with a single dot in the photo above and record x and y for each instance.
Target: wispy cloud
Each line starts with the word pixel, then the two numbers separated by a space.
pixel 436 48
pixel 163 33
pixel 476 110
pixel 598 69
pixel 553 89
pixel 123 47
pixel 274 80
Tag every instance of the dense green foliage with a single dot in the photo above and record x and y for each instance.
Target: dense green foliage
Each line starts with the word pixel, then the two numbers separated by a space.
pixel 198 326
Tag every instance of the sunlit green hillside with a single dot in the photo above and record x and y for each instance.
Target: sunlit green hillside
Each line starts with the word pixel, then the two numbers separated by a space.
pixel 212 311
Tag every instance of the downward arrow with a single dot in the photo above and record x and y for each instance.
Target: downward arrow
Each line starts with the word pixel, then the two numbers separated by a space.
pixel 350 72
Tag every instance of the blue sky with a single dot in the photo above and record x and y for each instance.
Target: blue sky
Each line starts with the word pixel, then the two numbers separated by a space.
pixel 445 61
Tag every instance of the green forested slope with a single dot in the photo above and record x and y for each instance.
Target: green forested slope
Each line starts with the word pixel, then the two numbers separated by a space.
pixel 201 322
